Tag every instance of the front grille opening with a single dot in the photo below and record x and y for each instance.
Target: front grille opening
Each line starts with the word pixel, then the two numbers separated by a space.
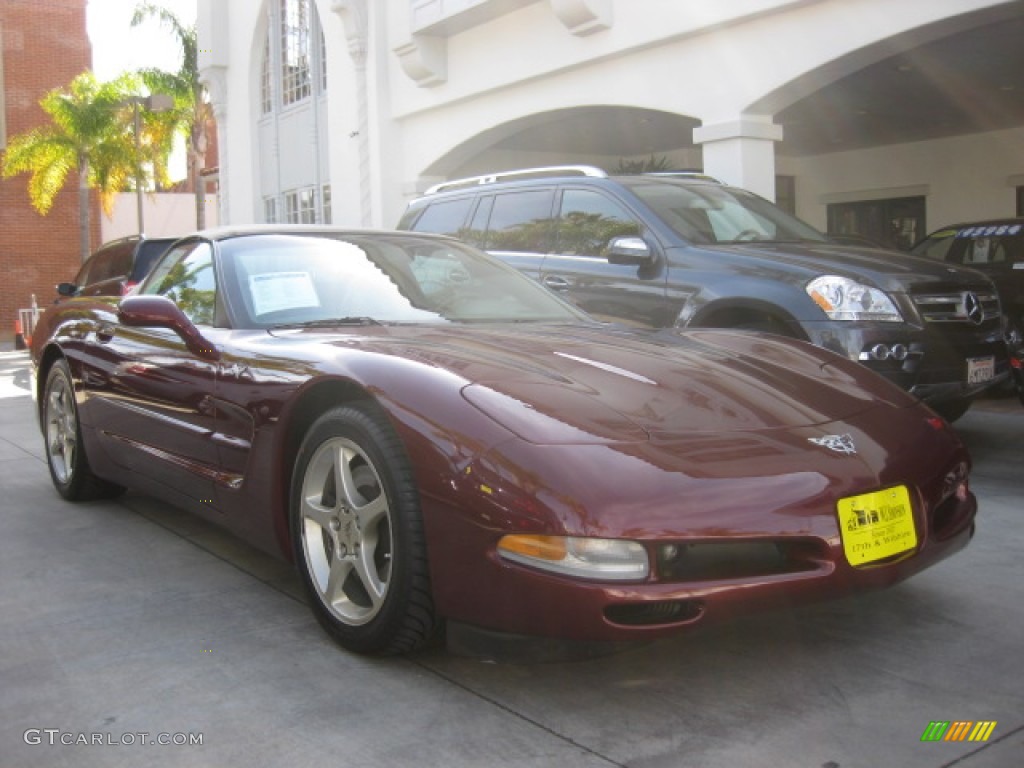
pixel 654 613
pixel 723 560
pixel 975 307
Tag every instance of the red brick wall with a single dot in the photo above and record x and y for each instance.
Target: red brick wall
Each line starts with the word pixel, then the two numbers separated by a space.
pixel 44 45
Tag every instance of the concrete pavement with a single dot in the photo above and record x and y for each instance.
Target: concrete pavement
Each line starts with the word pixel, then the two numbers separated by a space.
pixel 125 618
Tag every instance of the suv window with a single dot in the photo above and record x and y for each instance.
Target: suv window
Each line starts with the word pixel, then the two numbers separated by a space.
pixel 149 252
pixel 936 247
pixel 710 214
pixel 587 220
pixel 446 217
pixel 106 264
pixel 115 262
pixel 521 221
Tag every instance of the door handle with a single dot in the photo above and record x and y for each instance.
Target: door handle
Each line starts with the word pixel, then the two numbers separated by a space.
pixel 556 283
pixel 104 333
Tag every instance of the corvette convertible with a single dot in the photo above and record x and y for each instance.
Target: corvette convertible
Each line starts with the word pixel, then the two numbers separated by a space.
pixel 431 436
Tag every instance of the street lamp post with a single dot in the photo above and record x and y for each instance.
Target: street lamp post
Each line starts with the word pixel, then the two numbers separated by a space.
pixel 157 102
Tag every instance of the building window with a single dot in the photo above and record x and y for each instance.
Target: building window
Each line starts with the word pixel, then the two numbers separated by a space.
pixel 295 53
pixel 300 206
pixel 323 63
pixel 895 223
pixel 290 81
pixel 269 210
pixel 325 203
pixel 266 81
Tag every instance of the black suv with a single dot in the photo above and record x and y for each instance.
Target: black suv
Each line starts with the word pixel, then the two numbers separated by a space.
pixel 683 250
pixel 115 267
pixel 995 247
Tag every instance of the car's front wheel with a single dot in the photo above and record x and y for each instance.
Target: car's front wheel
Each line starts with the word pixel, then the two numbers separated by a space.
pixel 358 534
pixel 65 453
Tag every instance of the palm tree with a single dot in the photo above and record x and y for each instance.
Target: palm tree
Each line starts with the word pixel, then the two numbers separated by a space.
pixel 190 108
pixel 88 132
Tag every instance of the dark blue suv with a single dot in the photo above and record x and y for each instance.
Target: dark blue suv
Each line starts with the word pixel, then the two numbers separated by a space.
pixel 685 251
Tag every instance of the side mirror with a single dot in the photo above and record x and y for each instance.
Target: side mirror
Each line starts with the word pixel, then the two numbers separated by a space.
pixel 628 250
pixel 67 289
pixel 161 312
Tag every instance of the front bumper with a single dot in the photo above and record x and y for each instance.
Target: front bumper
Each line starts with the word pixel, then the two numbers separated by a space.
pixel 524 601
pixel 933 366
pixel 721 540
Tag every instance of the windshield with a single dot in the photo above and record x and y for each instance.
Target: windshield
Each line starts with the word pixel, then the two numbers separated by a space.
pixel 710 213
pixel 286 279
pixel 976 245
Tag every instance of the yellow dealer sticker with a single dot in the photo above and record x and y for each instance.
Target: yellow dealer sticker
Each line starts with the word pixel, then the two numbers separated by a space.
pixel 876 525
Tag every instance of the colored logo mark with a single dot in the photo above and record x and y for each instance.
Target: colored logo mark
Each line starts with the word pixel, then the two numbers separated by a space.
pixel 959 730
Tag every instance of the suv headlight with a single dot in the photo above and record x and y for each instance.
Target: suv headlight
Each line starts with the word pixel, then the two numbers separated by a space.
pixel 844 299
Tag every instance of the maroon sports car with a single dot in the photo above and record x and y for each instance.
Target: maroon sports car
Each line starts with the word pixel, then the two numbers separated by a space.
pixel 430 435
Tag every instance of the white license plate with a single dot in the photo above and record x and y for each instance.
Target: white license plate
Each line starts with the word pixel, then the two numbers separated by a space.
pixel 980 369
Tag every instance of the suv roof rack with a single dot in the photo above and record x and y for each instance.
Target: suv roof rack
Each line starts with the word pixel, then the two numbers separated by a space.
pixel 686 175
pixel 524 173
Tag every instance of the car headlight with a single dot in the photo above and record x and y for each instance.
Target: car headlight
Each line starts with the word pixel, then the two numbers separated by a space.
pixel 603 559
pixel 844 299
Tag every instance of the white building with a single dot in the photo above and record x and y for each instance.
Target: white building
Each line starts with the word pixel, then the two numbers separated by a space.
pixel 883 116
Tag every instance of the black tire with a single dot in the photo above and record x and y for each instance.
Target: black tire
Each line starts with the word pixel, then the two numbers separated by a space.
pixel 62 437
pixel 360 549
pixel 951 410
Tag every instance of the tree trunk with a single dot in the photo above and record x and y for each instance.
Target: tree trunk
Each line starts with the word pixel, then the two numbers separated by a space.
pixel 200 186
pixel 197 155
pixel 84 225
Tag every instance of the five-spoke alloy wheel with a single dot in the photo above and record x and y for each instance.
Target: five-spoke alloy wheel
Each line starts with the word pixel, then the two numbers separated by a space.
pixel 358 533
pixel 65 453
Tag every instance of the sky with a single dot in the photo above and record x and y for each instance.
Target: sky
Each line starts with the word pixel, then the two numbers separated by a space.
pixel 117 46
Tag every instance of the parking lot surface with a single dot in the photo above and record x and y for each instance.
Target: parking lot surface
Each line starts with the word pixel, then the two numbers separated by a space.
pixel 130 632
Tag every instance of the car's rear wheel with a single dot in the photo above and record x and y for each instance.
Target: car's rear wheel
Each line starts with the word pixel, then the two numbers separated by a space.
pixel 358 534
pixel 65 452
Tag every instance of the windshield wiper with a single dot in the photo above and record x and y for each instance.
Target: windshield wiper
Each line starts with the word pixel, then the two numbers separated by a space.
pixel 330 322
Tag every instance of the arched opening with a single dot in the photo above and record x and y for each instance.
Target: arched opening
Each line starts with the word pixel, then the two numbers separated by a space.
pixel 610 137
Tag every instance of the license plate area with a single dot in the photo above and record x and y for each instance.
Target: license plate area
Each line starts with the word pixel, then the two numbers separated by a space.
pixel 875 526
pixel 980 369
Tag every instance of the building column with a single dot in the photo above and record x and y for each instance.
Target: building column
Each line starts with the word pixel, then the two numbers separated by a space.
pixel 215 79
pixel 213 54
pixel 741 152
pixel 355 15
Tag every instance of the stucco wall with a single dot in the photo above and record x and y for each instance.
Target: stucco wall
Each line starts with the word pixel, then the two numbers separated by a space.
pixel 962 178
pixel 165 215
pixel 721 64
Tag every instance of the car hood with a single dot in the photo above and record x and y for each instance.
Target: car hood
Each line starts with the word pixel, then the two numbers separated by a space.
pixel 892 271
pixel 584 384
